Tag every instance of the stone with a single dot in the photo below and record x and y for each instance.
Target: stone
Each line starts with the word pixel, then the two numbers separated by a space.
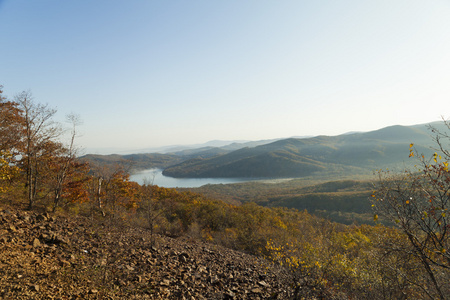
pixel 41 217
pixel 129 268
pixel 263 283
pixel 64 263
pixel 36 243
pixel 229 295
pixel 34 287
pixel 58 239
pixel 46 237
pixel 183 257
pixel 165 282
pixel 213 279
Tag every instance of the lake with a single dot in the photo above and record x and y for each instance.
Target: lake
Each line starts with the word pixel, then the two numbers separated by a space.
pixel 156 177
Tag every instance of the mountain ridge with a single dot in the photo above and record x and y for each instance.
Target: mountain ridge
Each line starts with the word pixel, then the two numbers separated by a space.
pixel 355 153
pixel 292 157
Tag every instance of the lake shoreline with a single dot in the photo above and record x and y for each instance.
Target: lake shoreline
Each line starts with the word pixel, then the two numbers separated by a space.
pixel 155 176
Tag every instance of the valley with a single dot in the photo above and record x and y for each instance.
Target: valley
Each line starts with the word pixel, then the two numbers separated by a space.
pixel 353 154
pixel 329 176
pixel 295 228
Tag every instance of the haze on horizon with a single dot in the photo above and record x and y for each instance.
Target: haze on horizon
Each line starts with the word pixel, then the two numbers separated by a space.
pixel 144 74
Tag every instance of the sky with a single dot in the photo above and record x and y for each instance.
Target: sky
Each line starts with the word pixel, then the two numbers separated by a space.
pixel 143 74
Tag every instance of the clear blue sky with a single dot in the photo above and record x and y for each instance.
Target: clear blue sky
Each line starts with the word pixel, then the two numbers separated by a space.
pixel 151 73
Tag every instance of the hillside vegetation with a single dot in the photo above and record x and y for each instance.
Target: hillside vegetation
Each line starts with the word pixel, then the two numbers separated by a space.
pixel 43 249
pixel 133 162
pixel 343 201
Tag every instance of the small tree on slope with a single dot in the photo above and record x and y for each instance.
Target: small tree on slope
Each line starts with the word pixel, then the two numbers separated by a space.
pixel 418 203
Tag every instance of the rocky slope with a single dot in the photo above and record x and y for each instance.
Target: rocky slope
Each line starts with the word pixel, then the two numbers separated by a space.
pixel 56 257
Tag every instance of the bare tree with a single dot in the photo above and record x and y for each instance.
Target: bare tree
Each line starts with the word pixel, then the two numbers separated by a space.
pixel 40 134
pixel 103 189
pixel 418 203
pixel 65 161
pixel 100 180
pixel 149 205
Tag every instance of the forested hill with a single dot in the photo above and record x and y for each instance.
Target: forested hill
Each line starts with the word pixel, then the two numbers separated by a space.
pixel 131 162
pixel 348 153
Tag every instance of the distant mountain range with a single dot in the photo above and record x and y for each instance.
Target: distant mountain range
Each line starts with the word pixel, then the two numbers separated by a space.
pixel 358 152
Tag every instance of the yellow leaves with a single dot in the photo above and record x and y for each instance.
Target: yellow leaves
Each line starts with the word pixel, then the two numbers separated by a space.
pixel 281 224
pixel 7 170
pixel 436 157
pixel 206 234
pixel 281 255
pixel 293 262
pixel 411 150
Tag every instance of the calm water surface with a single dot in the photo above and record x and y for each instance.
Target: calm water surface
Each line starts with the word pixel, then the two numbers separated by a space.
pixel 156 177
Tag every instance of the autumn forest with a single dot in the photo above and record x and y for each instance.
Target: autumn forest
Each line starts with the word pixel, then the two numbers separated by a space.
pixel 403 252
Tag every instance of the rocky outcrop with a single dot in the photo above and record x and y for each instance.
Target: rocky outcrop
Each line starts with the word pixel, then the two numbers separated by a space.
pixel 49 257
